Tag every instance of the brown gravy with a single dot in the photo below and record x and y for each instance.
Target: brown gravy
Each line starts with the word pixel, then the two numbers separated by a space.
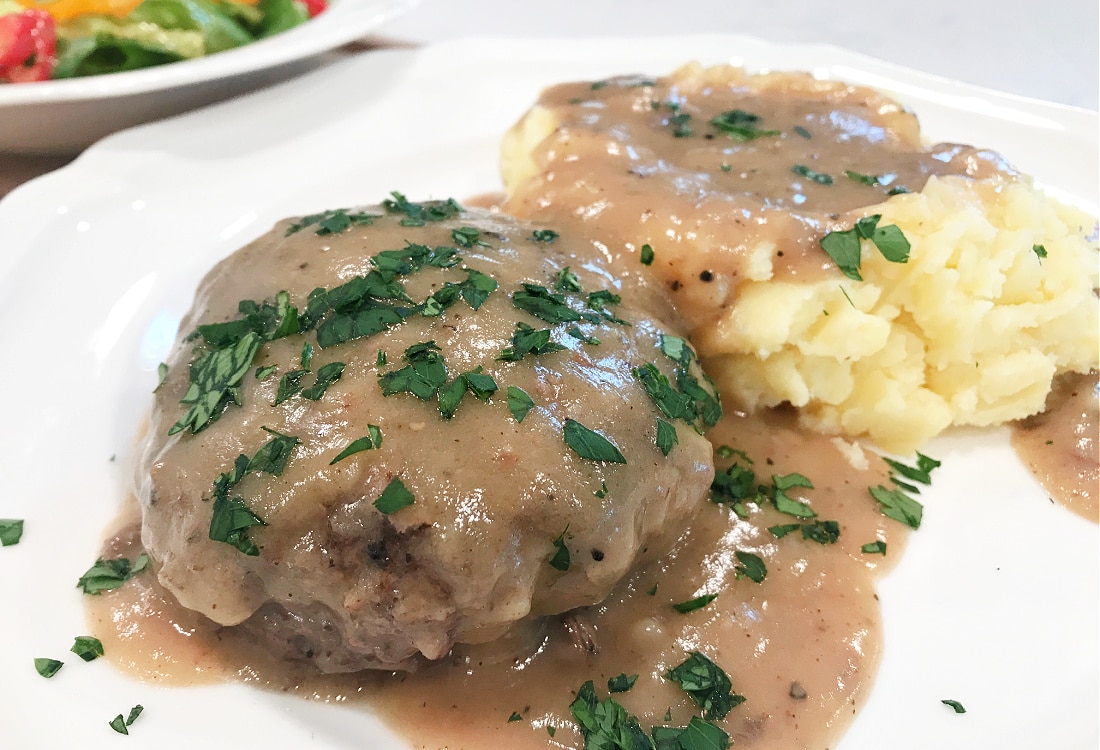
pixel 1060 445
pixel 712 206
pixel 802 646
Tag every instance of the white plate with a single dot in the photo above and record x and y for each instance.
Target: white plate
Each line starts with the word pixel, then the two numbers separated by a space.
pixel 995 603
pixel 65 116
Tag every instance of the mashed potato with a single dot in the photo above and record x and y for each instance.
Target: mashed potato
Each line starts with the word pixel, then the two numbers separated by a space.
pixel 731 180
pixel 970 331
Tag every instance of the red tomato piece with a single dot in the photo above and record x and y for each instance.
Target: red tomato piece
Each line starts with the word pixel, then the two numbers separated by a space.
pixel 313 7
pixel 28 46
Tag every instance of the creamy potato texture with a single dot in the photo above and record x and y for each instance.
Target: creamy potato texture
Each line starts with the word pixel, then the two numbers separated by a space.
pixel 732 180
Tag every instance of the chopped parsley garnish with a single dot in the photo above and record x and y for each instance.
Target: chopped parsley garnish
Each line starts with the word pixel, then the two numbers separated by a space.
pixel 215 380
pixel 599 301
pixel 371 441
pixel 87 647
pixel 877 547
pixel 622 683
pixel 688 400
pixel 417 214
pixel 863 179
pixel 482 386
pixel 474 290
pixel 263 373
pixel 467 237
pixel 589 444
pixel 289 385
pixel 11 531
pixel 786 504
pixel 380 360
pixel 741 125
pixel 326 376
pixel 332 221
pixel 231 518
pixel 895 502
pixel 707 684
pixel 544 304
pixel 693 604
pixel 844 247
pixel 544 235
pixel 162 375
pixel 560 559
pixel 121 725
pixel 679 121
pixel 955 705
pixel 423 376
pixel 645 255
pixel 822 532
pixel 406 261
pixel 601 493
pixel 1040 252
pixel 819 177
pixel 606 725
pixel 750 566
pixel 803 132
pixel 699 734
pixel 516 716
pixel 666 437
pixel 110 574
pixel 519 403
pixel 47 667
pixel 395 497
pixel 527 340
pixel 567 281
pixel 580 335
pixel 307 356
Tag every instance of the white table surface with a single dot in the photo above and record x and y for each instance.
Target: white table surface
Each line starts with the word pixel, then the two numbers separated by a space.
pixel 1044 49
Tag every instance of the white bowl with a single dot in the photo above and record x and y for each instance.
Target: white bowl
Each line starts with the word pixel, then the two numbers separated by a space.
pixel 66 116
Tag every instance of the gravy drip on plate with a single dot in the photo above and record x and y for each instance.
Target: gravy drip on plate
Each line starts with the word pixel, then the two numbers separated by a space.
pixel 640 160
pixel 1060 445
pixel 802 646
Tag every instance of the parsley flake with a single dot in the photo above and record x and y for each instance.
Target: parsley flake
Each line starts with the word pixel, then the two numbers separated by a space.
pixel 605 723
pixel 955 705
pixel 844 247
pixel 519 403
pixel 589 444
pixel 48 667
pixel 666 437
pixel 11 531
pixel 877 547
pixel 544 304
pixel 87 647
pixel 560 559
pixel 333 221
pixel 544 235
pixel 693 604
pixel 645 255
pixel 863 179
pixel 516 716
pixel 423 376
pixel 417 214
pixel 707 684
pixel 819 177
pixel 622 683
pixel 750 566
pixel 326 376
pixel 371 441
pixel 527 340
pixel 741 125
pixel 110 574
pixel 1040 252
pixel 395 497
